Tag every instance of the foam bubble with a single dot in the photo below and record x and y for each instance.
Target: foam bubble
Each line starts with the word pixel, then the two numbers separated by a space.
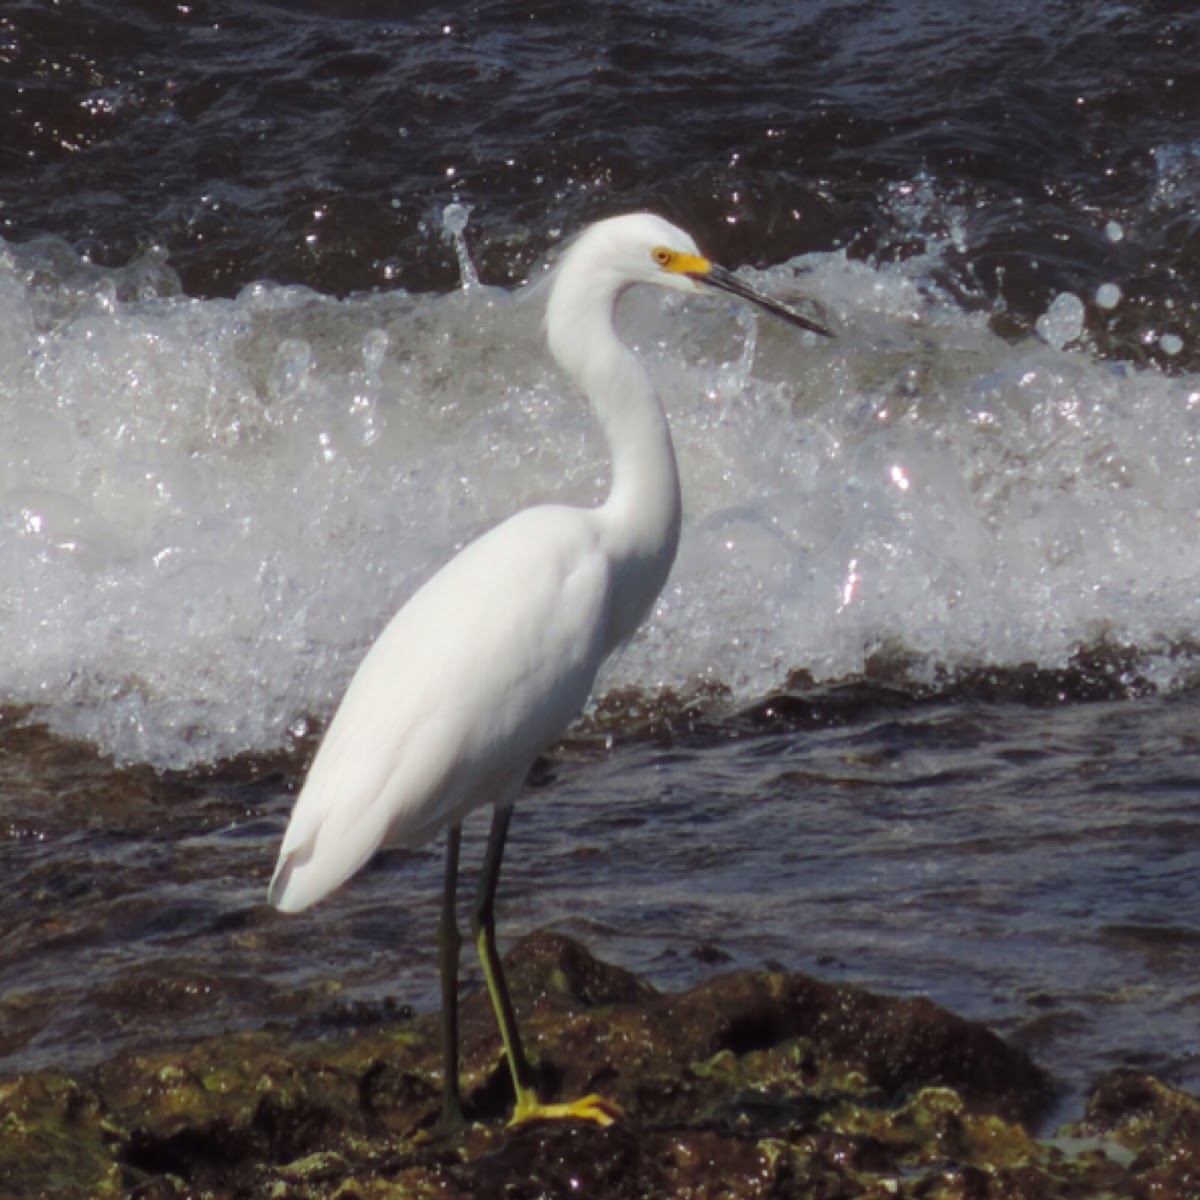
pixel 1062 322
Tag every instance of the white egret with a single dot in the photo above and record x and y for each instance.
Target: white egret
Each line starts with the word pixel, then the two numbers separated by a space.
pixel 493 657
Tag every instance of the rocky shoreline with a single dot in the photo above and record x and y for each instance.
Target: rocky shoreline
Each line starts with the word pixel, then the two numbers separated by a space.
pixel 754 1084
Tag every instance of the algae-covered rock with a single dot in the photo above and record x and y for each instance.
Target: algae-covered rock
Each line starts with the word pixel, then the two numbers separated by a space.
pixel 54 1139
pixel 754 1084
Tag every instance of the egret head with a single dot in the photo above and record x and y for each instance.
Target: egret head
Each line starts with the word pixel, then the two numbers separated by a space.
pixel 644 248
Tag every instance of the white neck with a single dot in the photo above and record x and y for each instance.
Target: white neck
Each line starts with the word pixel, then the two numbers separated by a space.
pixel 640 519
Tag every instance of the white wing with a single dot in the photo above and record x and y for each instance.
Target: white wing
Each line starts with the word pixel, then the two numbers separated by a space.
pixel 484 666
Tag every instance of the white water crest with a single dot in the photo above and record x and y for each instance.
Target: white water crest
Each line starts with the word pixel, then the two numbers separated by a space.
pixel 208 508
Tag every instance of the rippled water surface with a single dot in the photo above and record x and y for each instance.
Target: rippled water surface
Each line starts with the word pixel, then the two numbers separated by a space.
pixel 928 658
pixel 1033 867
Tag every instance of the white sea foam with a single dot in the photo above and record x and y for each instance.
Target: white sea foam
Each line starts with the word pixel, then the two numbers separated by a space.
pixel 209 508
pixel 1062 322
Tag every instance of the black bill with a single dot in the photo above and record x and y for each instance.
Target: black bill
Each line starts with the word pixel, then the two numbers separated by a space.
pixel 727 281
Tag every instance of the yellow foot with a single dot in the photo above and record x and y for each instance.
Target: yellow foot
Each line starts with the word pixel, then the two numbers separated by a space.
pixel 589 1108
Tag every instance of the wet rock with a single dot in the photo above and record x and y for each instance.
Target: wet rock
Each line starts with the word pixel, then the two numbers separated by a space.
pixel 754 1084
pixel 1158 1124
pixel 672 1054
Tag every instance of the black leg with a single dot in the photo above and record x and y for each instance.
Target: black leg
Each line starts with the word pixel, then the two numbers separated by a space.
pixel 483 926
pixel 449 941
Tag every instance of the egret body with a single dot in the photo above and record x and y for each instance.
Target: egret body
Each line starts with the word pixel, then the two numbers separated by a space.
pixel 490 660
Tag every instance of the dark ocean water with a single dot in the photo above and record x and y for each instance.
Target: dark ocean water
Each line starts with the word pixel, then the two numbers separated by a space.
pixel 317 143
pixel 929 657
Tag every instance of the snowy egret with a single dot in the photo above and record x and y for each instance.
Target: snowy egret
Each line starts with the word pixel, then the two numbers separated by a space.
pixel 493 657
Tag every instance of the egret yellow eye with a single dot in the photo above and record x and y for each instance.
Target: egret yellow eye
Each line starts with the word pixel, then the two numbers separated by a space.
pixel 663 256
